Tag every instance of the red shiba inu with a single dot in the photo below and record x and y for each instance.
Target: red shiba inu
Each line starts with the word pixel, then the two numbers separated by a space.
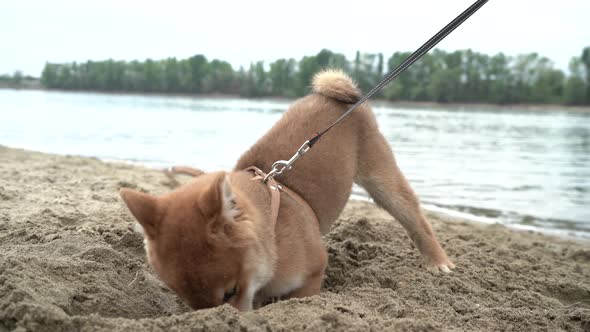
pixel 214 240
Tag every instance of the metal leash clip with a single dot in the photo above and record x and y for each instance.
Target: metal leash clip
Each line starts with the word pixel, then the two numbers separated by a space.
pixel 279 166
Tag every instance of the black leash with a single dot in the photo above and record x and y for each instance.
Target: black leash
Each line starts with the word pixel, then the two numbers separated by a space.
pixel 279 166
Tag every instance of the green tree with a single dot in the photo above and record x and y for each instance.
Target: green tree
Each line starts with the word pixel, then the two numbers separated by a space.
pixel 17 78
pixel 198 69
pixel 282 75
pixel 171 75
pixel 398 89
pixel 257 82
pixel 499 79
pixel 586 63
pixel 219 78
pixel 49 75
pixel 547 86
pixel 576 85
pixel 308 66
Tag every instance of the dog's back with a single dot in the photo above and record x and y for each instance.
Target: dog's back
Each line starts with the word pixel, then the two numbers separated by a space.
pixel 324 176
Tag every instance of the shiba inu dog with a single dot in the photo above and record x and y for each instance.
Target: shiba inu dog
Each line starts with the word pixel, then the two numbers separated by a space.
pixel 214 241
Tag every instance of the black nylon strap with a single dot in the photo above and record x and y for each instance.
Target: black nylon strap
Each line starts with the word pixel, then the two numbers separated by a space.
pixel 406 63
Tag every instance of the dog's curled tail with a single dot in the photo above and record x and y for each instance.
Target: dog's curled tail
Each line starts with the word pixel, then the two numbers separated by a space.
pixel 334 83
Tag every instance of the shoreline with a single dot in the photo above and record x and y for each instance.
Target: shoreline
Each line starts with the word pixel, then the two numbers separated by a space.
pixel 375 102
pixel 441 212
pixel 71 260
pixel 430 208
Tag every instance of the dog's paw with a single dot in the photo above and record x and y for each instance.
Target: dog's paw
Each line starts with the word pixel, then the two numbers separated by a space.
pixel 445 267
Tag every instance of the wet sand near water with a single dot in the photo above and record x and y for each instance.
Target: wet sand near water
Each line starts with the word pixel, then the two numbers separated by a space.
pixel 71 260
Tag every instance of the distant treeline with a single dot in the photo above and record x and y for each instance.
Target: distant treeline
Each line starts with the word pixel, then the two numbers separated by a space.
pixel 440 76
pixel 18 80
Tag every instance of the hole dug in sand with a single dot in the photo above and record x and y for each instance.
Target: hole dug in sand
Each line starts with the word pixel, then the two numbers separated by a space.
pixel 85 272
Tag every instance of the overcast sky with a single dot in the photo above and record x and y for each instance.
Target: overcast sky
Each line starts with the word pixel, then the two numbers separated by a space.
pixel 33 32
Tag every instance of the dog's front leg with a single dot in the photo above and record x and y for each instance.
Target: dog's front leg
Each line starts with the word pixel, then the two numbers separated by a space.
pixel 311 286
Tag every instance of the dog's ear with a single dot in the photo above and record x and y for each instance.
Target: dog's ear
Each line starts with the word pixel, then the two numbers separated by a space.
pixel 229 206
pixel 144 208
pixel 219 199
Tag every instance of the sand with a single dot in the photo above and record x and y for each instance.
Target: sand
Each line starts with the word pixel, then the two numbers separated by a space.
pixel 71 260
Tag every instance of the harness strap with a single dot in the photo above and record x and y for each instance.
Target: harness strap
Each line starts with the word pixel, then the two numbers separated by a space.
pixel 275 192
pixel 275 195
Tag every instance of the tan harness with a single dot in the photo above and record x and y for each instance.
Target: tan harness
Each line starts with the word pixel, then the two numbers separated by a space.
pixel 275 192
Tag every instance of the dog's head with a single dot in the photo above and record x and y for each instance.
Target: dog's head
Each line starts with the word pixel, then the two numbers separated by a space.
pixel 202 241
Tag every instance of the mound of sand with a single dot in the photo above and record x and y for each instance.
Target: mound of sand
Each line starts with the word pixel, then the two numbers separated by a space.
pixel 70 260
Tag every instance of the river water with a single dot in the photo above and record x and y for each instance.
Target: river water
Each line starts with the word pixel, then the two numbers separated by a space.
pixel 527 169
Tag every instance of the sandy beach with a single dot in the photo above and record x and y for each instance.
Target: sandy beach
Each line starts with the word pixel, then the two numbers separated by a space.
pixel 70 260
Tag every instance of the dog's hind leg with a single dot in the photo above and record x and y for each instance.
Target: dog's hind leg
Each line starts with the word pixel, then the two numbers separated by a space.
pixel 187 170
pixel 171 174
pixel 379 174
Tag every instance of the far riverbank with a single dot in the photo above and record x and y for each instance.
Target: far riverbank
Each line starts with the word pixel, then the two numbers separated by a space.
pixel 375 102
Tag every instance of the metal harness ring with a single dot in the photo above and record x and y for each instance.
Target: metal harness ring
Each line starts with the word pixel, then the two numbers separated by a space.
pixel 278 167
